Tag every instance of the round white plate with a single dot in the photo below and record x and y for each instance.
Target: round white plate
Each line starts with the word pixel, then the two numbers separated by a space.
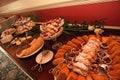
pixel 44 59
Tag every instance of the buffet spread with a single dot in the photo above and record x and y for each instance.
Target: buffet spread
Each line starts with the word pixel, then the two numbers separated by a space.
pixel 87 57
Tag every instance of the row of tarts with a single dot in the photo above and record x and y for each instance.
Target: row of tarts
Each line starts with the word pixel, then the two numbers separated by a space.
pixel 88 57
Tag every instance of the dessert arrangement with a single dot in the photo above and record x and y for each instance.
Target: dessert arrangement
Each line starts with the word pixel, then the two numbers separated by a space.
pixel 52 28
pixel 88 57
pixel 22 25
pixel 7 35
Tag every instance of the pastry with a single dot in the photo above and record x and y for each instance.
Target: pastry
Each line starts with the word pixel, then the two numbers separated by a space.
pixel 55 71
pixel 80 39
pixel 115 72
pixel 71 44
pixel 33 46
pixel 76 41
pixel 98 37
pixel 88 77
pixel 60 53
pixel 85 38
pixel 113 49
pixel 91 35
pixel 115 66
pixel 57 60
pixel 105 39
pixel 72 76
pixel 116 60
pixel 63 74
pixel 99 77
pixel 80 77
pixel 66 47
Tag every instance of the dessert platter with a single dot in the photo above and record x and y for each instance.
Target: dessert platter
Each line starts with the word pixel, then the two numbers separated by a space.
pixel 34 46
pixel 88 57
pixel 52 28
pixel 23 24
pixel 20 26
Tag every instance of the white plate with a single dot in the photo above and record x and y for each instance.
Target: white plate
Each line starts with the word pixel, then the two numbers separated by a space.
pixel 31 53
pixel 46 58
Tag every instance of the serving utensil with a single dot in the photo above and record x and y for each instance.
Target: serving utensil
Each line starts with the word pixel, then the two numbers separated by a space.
pixel 44 53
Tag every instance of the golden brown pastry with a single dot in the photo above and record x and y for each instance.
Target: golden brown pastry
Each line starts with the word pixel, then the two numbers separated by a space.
pixel 71 44
pixel 72 76
pixel 33 41
pixel 115 77
pixel 66 47
pixel 115 53
pixel 63 74
pixel 105 39
pixel 98 37
pixel 112 44
pixel 34 45
pixel 56 61
pixel 76 41
pixel 60 53
pixel 91 35
pixel 80 39
pixel 58 68
pixel 88 77
pixel 113 49
pixel 109 40
pixel 99 77
pixel 116 60
pixel 85 38
pixel 115 66
pixel 80 77
pixel 115 74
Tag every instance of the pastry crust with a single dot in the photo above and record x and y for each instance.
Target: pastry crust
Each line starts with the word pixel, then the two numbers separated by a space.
pixel 66 47
pixel 63 74
pixel 99 77
pixel 116 60
pixel 80 77
pixel 60 53
pixel 34 45
pixel 76 41
pixel 57 60
pixel 88 77
pixel 80 39
pixel 85 38
pixel 70 43
pixel 72 76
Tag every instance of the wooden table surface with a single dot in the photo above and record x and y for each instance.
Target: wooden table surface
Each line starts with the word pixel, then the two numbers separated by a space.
pixel 27 63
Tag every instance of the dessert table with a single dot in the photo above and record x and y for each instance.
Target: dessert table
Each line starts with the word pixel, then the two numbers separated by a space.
pixel 26 63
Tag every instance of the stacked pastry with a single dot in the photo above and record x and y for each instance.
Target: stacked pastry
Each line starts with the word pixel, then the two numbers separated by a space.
pixel 31 48
pixel 7 35
pixel 84 57
pixel 91 57
pixel 23 24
